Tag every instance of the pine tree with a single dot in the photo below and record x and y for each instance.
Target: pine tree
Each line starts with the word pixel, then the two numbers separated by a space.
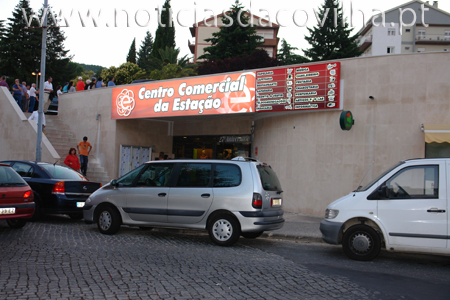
pixel 286 56
pixel 330 41
pixel 20 47
pixel 164 36
pixel 57 59
pixel 144 59
pixel 234 40
pixel 131 57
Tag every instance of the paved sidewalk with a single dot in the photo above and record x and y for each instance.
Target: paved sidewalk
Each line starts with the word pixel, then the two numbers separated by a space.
pixel 298 226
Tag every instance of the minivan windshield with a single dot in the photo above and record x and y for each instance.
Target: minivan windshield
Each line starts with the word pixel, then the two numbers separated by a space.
pixel 368 185
pixel 269 179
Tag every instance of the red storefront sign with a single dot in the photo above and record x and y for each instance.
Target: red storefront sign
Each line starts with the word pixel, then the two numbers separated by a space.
pixel 191 96
pixel 310 87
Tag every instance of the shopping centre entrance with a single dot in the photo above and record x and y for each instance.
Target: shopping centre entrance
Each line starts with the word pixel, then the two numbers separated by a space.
pixel 212 146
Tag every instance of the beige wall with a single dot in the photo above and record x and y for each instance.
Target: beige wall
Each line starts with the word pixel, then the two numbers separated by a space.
pixel 18 136
pixel 214 126
pixel 79 111
pixel 317 162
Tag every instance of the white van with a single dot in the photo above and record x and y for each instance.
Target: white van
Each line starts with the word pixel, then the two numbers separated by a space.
pixel 404 209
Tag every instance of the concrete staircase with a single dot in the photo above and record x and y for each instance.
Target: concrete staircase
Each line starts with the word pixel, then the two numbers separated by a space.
pixel 62 139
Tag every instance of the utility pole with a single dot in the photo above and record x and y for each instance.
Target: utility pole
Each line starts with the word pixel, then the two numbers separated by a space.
pixel 41 85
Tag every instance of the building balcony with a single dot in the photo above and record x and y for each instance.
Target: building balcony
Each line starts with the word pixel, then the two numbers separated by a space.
pixel 435 39
pixel 191 46
pixel 364 42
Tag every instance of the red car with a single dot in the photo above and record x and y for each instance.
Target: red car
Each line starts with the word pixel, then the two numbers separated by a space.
pixel 16 198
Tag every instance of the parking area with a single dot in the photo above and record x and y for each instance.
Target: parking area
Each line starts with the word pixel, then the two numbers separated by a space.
pixel 60 258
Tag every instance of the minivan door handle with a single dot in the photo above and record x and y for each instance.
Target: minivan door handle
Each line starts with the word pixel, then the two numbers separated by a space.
pixel 162 194
pixel 436 210
pixel 206 195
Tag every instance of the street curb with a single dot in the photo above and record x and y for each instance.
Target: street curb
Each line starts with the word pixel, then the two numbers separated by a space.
pixel 272 235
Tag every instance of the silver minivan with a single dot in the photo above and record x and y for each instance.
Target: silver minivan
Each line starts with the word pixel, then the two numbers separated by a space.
pixel 229 198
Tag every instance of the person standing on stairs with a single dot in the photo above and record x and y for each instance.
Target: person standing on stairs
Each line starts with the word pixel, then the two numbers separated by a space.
pixel 84 148
pixel 72 160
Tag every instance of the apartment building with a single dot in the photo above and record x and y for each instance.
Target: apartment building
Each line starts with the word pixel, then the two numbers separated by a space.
pixel 201 31
pixel 427 35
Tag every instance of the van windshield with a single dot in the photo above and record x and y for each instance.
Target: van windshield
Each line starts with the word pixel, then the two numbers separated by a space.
pixel 269 179
pixel 368 185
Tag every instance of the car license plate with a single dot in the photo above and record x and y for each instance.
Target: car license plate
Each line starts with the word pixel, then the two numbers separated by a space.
pixel 7 211
pixel 276 202
pixel 80 204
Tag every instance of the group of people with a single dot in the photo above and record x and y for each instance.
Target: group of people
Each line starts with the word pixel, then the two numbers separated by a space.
pixel 95 83
pixel 84 148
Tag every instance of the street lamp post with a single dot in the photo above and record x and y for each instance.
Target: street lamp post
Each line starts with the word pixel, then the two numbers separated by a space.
pixel 37 73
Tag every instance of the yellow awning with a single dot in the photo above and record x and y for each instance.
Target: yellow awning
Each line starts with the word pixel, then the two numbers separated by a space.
pixel 437 133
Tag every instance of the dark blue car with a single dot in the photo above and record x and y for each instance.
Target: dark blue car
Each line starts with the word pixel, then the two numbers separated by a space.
pixel 57 189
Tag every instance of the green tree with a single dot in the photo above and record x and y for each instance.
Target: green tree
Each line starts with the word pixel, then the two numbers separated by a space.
pixel 58 64
pixel 125 74
pixel 131 57
pixel 330 40
pixel 233 39
pixel 170 66
pixel 19 47
pixel 286 55
pixel 143 56
pixel 165 33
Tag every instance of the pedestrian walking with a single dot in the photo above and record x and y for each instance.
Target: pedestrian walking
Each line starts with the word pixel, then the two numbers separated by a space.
pixel 84 148
pixel 86 86
pixel 48 88
pixel 32 97
pixel 72 160
pixel 99 83
pixel 111 81
pixel 80 84
pixel 3 82
pixel 17 92
pixel 35 117
pixel 71 88
pixel 25 97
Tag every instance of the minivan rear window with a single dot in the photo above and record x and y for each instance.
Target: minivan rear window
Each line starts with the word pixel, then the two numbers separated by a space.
pixel 269 179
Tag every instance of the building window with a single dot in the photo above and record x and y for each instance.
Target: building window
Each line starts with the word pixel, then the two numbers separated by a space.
pixel 420 49
pixel 390 50
pixel 407 48
pixel 391 31
pixel 421 34
pixel 447 36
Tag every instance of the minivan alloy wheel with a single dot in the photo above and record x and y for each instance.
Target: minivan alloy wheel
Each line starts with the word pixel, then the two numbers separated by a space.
pixel 109 220
pixel 224 229
pixel 105 220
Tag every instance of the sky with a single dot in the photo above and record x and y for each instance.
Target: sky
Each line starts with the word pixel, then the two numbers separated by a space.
pixel 108 43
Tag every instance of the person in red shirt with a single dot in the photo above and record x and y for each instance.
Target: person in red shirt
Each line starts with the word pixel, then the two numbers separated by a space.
pixel 80 84
pixel 72 160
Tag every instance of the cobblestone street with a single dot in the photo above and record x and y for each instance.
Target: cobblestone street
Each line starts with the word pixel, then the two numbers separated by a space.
pixel 64 259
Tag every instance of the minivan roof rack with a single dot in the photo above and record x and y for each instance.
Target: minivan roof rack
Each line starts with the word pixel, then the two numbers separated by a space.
pixel 240 158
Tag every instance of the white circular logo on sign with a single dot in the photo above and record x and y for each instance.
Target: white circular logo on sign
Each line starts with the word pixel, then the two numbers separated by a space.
pixel 125 103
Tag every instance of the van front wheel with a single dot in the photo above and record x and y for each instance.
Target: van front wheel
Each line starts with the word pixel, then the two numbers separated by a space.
pixel 361 242
pixel 224 230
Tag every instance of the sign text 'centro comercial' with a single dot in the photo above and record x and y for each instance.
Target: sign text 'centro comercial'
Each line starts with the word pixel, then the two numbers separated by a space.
pixel 212 95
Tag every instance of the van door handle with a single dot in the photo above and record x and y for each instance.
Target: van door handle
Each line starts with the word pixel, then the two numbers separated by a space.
pixel 436 210
pixel 162 194
pixel 206 195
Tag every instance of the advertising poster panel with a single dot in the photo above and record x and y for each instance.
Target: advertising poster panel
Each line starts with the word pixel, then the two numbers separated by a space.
pixel 212 95
pixel 310 87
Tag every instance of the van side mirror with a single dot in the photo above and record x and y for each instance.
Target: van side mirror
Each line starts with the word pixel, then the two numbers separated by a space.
pixel 380 193
pixel 383 192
